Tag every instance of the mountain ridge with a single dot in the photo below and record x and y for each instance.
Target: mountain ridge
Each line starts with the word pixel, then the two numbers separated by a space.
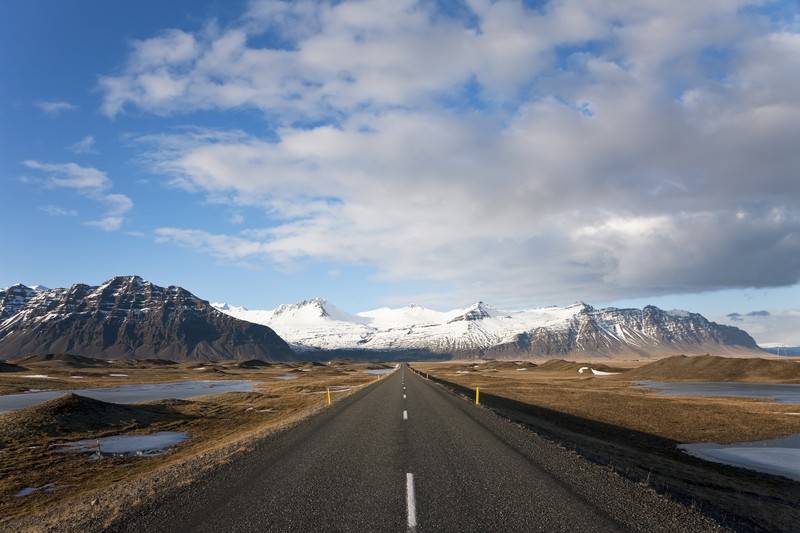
pixel 481 330
pixel 127 316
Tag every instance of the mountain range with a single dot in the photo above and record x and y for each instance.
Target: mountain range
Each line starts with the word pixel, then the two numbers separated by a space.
pixel 481 330
pixel 128 316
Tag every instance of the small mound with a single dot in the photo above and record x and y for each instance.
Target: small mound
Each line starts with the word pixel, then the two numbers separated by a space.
pixel 715 368
pixel 156 362
pixel 254 363
pixel 572 367
pixel 510 365
pixel 10 367
pixel 62 359
pixel 77 414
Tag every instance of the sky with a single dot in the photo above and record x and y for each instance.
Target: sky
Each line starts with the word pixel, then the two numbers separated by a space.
pixel 383 152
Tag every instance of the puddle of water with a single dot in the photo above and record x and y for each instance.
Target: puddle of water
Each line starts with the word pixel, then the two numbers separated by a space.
pixel 286 377
pixel 379 371
pixel 154 444
pixel 776 456
pixel 27 491
pixel 130 393
pixel 778 392
pixel 118 375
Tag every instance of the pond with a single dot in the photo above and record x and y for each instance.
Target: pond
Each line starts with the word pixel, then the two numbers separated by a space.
pixel 776 456
pixel 778 392
pixel 153 444
pixel 130 393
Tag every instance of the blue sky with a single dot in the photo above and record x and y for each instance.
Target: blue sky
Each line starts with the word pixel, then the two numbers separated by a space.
pixel 382 152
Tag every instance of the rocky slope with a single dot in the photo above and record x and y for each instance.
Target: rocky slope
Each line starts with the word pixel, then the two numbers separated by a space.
pixel 481 330
pixel 128 317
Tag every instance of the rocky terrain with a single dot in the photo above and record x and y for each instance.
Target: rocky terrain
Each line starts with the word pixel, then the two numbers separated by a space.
pixel 128 317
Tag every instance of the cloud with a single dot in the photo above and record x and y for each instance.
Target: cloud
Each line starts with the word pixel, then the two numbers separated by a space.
pixel 777 326
pixel 54 107
pixel 226 247
pixel 583 149
pixel 236 219
pixel 84 146
pixel 89 182
pixel 56 211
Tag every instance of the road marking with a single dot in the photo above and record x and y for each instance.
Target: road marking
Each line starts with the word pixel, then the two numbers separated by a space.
pixel 404 396
pixel 411 504
pixel 405 415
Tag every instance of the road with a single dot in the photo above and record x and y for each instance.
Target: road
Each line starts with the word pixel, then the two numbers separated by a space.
pixel 406 454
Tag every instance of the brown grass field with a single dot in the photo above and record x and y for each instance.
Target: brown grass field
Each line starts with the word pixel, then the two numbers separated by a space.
pixel 615 399
pixel 29 437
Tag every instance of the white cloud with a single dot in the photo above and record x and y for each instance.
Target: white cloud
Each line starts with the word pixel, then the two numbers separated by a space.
pixel 89 182
pixel 56 211
pixel 54 107
pixel 768 327
pixel 84 146
pixel 585 149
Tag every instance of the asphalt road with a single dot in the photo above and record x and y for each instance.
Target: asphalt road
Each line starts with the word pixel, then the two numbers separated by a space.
pixel 407 454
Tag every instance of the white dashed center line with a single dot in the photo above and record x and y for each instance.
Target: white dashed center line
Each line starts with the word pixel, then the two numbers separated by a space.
pixel 411 504
pixel 405 415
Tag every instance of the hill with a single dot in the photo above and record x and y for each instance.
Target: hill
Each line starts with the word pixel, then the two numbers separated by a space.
pixel 61 359
pixel 713 368
pixel 77 414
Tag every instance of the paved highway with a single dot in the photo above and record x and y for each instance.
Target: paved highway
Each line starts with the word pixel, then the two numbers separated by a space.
pixel 406 454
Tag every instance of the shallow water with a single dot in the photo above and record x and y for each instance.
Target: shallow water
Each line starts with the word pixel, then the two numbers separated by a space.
pixel 128 444
pixel 130 393
pixel 778 392
pixel 776 456
pixel 379 371
pixel 286 377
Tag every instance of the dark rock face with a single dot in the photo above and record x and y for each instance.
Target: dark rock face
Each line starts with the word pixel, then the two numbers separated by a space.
pixel 130 317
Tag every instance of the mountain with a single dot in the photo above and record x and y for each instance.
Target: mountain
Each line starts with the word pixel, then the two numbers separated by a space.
pixel 128 317
pixel 14 298
pixel 480 330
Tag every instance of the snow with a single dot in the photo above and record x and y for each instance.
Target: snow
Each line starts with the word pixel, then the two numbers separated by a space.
pixel 602 373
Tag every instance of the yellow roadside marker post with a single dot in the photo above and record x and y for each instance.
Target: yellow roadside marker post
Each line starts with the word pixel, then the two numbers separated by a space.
pixel 477 395
pixel 328 390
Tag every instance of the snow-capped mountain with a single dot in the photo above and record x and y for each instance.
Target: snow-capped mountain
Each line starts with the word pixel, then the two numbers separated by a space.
pixel 14 298
pixel 482 330
pixel 129 317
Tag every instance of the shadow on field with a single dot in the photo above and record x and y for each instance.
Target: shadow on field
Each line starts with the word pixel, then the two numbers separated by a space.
pixel 738 498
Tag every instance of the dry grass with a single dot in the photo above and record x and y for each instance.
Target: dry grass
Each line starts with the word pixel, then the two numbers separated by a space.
pixel 28 439
pixel 614 400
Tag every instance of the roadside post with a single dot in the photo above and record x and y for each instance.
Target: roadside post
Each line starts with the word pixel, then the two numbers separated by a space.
pixel 477 395
pixel 328 391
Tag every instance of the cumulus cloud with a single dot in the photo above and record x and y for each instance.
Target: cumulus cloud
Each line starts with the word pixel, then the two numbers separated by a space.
pixel 89 182
pixel 583 149
pixel 54 107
